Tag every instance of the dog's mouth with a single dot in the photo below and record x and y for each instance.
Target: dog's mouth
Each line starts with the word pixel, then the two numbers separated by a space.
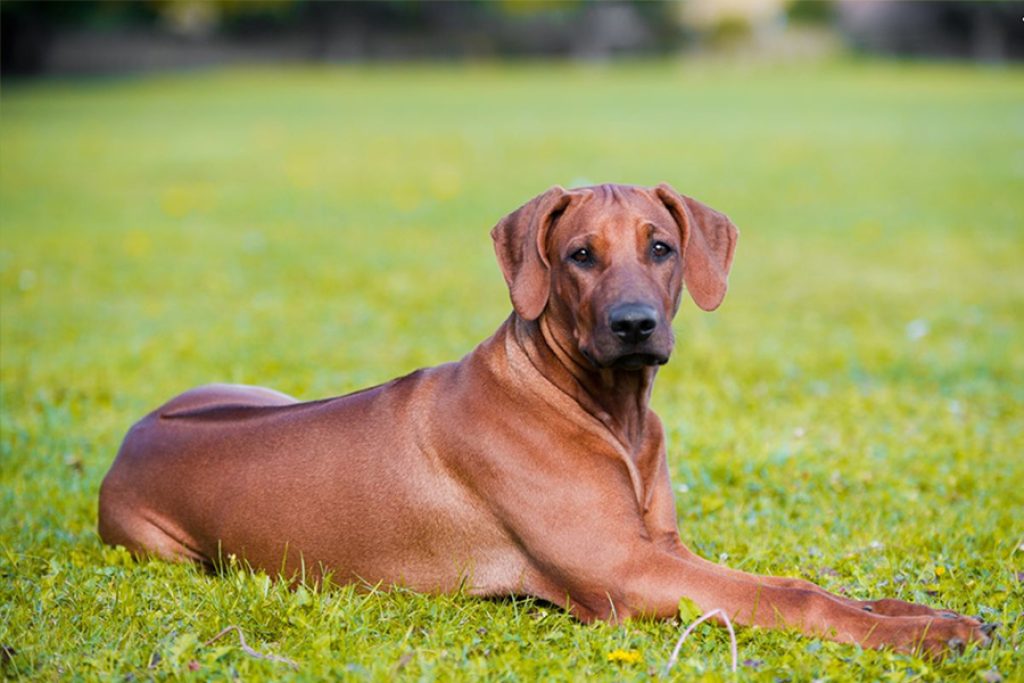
pixel 636 361
pixel 632 360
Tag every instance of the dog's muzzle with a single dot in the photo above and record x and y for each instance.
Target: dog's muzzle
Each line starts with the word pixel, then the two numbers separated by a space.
pixel 632 339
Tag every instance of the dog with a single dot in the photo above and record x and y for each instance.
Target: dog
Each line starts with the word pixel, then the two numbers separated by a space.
pixel 533 466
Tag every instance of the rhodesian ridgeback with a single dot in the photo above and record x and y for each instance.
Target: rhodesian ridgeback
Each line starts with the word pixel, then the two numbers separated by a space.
pixel 533 466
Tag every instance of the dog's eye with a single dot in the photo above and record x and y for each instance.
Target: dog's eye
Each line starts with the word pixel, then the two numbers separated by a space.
pixel 582 257
pixel 660 250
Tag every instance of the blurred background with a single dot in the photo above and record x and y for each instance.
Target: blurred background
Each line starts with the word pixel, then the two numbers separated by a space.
pixel 113 36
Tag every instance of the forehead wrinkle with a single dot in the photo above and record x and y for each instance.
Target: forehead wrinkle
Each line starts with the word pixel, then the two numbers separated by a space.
pixel 644 233
pixel 584 238
pixel 609 193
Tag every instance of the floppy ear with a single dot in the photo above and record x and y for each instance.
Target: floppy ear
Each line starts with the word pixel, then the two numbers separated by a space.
pixel 520 242
pixel 709 241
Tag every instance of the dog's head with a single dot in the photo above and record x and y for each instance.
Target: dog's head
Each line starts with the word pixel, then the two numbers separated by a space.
pixel 606 265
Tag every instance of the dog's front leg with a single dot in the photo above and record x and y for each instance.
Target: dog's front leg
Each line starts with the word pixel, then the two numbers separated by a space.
pixel 654 585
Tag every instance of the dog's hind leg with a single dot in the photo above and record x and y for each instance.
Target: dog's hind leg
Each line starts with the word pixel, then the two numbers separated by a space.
pixel 143 534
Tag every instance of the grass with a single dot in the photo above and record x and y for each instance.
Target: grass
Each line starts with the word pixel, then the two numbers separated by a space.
pixel 853 413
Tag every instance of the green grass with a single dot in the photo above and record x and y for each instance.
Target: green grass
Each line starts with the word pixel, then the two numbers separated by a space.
pixel 853 413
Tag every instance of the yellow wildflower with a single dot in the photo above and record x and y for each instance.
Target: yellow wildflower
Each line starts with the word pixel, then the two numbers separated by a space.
pixel 628 656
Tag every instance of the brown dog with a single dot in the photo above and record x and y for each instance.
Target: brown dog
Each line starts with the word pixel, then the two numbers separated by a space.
pixel 533 466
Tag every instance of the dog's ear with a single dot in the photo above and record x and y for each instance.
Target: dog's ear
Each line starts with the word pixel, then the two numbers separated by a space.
pixel 709 241
pixel 520 242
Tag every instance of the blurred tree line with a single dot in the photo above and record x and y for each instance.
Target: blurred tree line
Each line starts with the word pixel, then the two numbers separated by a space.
pixel 88 36
pixel 34 33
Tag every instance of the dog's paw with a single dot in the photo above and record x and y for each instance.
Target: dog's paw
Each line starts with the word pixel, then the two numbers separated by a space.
pixel 942 636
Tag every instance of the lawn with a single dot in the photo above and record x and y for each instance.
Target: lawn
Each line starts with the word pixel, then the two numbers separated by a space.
pixel 853 414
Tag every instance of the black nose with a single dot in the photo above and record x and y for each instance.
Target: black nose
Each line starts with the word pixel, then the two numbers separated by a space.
pixel 633 323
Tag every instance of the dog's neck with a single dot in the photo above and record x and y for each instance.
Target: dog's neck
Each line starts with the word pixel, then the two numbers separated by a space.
pixel 617 398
